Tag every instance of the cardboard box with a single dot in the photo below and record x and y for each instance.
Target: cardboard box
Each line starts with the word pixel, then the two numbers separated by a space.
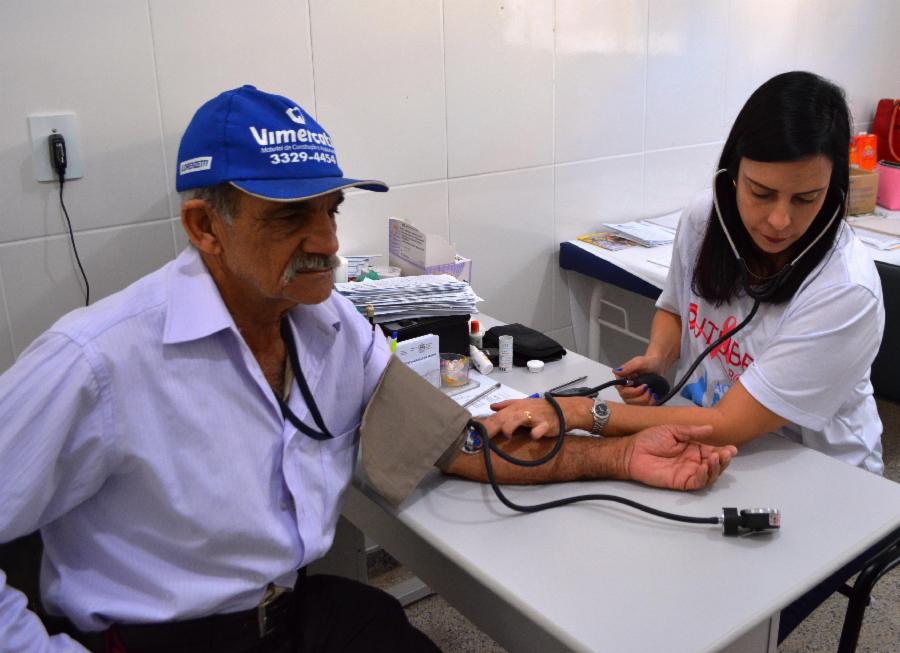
pixel 416 252
pixel 863 191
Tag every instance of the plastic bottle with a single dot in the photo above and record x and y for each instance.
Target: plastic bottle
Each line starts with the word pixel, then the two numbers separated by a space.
pixel 476 335
pixel 481 362
pixel 854 153
pixel 867 146
pixel 506 353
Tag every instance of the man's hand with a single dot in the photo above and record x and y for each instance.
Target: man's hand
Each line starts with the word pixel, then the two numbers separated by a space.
pixel 667 457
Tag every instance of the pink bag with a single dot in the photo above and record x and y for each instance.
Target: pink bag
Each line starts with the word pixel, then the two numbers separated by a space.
pixel 889 185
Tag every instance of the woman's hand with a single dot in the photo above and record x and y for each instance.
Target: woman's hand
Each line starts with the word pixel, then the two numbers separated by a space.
pixel 537 416
pixel 640 395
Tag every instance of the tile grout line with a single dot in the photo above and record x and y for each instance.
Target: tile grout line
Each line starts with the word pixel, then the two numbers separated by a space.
pixel 312 58
pixel 90 231
pixel 643 210
pixel 162 131
pixel 446 118
pixel 12 340
pixel 554 234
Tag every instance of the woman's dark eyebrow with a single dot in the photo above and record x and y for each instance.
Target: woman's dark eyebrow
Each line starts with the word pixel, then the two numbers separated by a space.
pixel 772 190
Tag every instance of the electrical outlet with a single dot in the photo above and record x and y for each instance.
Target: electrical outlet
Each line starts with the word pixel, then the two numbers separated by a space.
pixel 41 126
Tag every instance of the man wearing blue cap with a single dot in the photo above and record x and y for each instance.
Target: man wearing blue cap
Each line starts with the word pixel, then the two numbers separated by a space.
pixel 183 445
pixel 184 472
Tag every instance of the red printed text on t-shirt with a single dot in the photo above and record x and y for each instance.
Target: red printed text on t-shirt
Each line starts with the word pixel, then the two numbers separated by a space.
pixel 729 350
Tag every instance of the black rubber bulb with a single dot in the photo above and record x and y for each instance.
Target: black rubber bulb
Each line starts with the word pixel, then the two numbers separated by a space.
pixel 657 384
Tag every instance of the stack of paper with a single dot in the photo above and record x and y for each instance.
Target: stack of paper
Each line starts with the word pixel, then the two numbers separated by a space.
pixel 642 232
pixel 401 298
pixel 669 221
pixel 487 391
pixel 877 230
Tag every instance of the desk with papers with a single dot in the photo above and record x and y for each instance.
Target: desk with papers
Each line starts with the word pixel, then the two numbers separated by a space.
pixel 601 577
pixel 643 271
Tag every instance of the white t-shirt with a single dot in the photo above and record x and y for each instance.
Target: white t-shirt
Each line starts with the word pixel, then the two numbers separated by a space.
pixel 807 360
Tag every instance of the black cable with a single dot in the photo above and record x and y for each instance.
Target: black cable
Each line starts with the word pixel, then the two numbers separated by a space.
pixel 490 446
pixel 87 286
pixel 59 161
pixel 718 341
pixel 655 382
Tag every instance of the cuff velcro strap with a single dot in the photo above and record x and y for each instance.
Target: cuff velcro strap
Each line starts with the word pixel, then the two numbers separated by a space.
pixel 407 428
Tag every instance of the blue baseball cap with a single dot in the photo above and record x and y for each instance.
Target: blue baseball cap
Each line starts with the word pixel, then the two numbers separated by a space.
pixel 263 144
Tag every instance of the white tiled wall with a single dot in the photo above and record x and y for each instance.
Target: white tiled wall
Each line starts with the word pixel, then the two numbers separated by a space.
pixel 507 126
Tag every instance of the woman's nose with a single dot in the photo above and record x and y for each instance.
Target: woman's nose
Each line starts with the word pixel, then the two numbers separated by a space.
pixel 780 218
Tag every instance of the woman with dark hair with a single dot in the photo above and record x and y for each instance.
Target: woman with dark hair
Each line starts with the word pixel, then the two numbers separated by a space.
pixel 767 243
pixel 772 232
pixel 766 251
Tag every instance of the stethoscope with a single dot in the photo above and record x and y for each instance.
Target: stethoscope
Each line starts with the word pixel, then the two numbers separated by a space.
pixel 734 522
pixel 764 291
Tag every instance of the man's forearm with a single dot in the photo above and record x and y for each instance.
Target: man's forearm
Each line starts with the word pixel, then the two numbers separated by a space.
pixel 581 458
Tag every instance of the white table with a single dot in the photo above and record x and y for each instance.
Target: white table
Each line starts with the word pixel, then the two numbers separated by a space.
pixel 602 577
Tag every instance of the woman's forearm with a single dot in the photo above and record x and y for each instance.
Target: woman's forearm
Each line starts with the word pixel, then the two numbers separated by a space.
pixel 665 338
pixel 736 419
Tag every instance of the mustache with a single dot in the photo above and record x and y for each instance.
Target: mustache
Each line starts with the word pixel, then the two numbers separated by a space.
pixel 309 263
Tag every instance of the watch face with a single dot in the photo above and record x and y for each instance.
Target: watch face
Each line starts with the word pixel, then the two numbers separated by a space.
pixel 473 442
pixel 601 410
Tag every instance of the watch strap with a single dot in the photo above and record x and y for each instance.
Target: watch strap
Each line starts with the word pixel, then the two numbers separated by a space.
pixel 600 415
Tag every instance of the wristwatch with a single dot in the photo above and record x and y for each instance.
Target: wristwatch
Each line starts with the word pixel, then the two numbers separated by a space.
pixel 600 413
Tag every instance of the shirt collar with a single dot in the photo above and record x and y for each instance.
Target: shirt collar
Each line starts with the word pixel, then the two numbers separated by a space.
pixel 195 308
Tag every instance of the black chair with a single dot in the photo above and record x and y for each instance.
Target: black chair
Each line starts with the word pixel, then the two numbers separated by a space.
pixel 886 368
pixel 20 560
pixel 860 594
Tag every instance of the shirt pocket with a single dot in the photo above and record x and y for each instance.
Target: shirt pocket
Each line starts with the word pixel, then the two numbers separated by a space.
pixel 324 469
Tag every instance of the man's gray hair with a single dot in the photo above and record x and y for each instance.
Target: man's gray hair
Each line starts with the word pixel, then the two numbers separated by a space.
pixel 222 198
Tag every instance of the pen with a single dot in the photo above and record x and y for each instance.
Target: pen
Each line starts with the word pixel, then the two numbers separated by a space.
pixel 566 385
pixel 482 394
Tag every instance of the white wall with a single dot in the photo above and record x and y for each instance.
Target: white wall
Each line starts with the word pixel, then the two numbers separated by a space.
pixel 506 126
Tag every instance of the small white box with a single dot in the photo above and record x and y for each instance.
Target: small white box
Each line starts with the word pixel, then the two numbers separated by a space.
pixel 422 355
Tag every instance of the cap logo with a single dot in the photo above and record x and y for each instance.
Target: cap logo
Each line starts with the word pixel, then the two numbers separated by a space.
pixel 195 165
pixel 295 114
pixel 279 136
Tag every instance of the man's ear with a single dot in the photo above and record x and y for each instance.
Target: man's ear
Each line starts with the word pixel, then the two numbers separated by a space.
pixel 202 226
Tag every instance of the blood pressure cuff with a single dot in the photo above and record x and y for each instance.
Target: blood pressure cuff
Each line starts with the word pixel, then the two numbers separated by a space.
pixel 408 427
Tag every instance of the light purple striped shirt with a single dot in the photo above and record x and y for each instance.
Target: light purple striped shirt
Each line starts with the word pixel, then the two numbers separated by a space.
pixel 142 438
